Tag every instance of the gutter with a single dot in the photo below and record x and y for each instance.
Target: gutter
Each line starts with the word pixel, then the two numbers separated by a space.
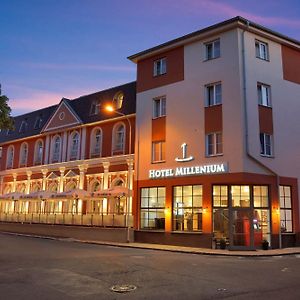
pixel 247 129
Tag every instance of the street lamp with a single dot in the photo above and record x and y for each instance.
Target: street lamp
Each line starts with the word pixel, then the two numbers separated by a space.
pixel 110 108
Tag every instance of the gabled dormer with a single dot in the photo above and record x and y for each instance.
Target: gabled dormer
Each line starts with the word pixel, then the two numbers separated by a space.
pixel 63 117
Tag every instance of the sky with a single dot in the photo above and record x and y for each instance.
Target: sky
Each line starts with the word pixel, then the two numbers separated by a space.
pixel 51 49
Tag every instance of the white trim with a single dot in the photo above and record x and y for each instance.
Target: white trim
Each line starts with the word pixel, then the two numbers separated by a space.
pixel 92 141
pixel 113 138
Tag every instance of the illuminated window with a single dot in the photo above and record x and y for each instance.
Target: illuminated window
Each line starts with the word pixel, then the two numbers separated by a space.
pixel 159 107
pixel 160 67
pixel 187 208
pixel 240 195
pixel 158 151
pixel 266 144
pixel 118 100
pixel 262 50
pixel 213 94
pixel 212 49
pixel 286 213
pixel 153 201
pixel 214 144
pixel 264 94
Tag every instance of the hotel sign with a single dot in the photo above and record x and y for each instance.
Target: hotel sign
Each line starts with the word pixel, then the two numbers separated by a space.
pixel 188 171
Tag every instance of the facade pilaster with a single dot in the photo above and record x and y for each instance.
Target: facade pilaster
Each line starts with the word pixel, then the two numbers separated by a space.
pixel 28 182
pixel 44 172
pixel 61 179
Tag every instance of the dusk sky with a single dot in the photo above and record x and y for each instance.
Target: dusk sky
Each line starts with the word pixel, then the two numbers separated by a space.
pixel 51 49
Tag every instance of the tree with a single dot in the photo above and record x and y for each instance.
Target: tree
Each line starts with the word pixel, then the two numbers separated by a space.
pixel 6 121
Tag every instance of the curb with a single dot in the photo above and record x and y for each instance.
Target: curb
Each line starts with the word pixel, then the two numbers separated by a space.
pixel 186 250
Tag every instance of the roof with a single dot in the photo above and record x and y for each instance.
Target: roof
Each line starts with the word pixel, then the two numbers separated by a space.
pixel 81 106
pixel 195 34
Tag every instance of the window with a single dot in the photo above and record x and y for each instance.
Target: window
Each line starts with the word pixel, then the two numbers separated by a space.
pixel 56 149
pixel 160 67
pixel 95 107
pixel 214 144
pixel 220 211
pixel 266 147
pixel 38 122
pixel 153 202
pixel 74 147
pixel 10 157
pixel 213 94
pixel 23 154
pixel 96 142
pixel 158 151
pixel 262 50
pixel 38 153
pixel 212 49
pixel 118 138
pixel 118 100
pixel 187 208
pixel 264 94
pixel 240 195
pixel 23 126
pixel 159 107
pixel 286 215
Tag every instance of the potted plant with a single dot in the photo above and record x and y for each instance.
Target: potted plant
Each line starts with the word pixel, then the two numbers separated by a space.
pixel 222 243
pixel 265 245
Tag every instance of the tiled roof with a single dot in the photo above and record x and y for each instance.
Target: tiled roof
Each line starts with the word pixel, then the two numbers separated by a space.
pixel 82 107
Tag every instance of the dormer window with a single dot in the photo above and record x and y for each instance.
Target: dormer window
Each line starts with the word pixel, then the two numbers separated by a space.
pixel 160 67
pixel 95 108
pixel 23 126
pixel 118 100
pixel 38 122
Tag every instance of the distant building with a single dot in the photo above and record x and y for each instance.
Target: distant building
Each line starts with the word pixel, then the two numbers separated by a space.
pixel 214 128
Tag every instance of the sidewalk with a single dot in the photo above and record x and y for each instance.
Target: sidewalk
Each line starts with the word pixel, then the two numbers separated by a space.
pixel 179 249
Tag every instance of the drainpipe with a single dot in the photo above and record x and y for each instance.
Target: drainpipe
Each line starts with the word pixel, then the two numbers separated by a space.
pixel 247 131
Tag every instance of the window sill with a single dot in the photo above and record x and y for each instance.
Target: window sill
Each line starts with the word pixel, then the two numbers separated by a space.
pixel 213 105
pixel 159 117
pixel 158 75
pixel 264 59
pixel 267 106
pixel 213 155
pixel 209 59
pixel 187 232
pixel 158 162
pixel 267 156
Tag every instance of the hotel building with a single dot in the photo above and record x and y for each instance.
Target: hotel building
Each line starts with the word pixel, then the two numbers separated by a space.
pixel 213 123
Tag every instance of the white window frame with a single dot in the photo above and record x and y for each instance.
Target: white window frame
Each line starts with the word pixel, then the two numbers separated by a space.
pixel 93 143
pixel 264 94
pixel 71 155
pixel 53 159
pixel 36 152
pixel 161 155
pixel 115 146
pixel 162 107
pixel 211 102
pixel 214 144
pixel 262 50
pixel 160 66
pixel 286 205
pixel 23 155
pixel 95 108
pixel 10 157
pixel 214 48
pixel 264 145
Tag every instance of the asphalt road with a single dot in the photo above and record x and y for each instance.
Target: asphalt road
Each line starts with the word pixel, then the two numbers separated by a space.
pixel 33 268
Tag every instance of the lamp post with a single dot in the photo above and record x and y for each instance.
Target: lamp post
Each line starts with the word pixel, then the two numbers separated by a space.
pixel 110 108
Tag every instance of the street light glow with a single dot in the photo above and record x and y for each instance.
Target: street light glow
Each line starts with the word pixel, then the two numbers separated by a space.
pixel 109 108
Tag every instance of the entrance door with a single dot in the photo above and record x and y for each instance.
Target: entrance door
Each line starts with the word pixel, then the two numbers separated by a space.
pixel 241 234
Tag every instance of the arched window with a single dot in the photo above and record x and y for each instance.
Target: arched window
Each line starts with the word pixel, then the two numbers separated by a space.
pixel 38 152
pixel 70 186
pixel 118 143
pixel 23 154
pixel 95 186
pixel 118 182
pixel 53 187
pixel 10 157
pixel 56 149
pixel 96 142
pixel 36 188
pixel 74 146
pixel 118 100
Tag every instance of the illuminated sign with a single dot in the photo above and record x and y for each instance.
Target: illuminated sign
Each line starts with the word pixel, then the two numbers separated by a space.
pixel 184 158
pixel 188 171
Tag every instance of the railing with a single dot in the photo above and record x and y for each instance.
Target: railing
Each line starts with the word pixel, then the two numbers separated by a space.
pixel 102 220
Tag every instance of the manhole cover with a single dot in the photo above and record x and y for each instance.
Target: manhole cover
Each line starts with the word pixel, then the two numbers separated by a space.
pixel 123 288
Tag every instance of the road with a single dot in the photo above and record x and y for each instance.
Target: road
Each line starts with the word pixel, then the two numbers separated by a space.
pixel 34 268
